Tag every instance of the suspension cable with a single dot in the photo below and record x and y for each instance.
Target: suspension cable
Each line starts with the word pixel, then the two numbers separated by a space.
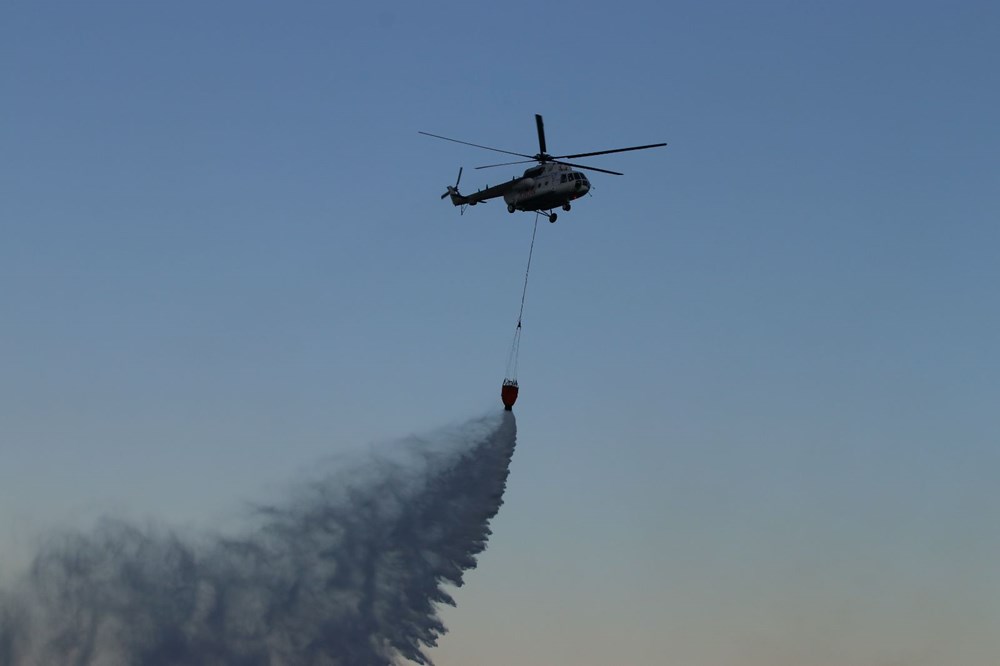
pixel 515 346
pixel 524 292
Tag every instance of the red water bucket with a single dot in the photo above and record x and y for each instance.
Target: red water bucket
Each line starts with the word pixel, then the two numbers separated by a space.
pixel 508 394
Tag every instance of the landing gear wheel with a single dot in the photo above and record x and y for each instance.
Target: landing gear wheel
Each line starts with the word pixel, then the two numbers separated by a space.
pixel 553 217
pixel 510 208
pixel 566 206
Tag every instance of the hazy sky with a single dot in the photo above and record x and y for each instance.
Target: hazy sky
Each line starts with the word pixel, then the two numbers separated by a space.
pixel 758 420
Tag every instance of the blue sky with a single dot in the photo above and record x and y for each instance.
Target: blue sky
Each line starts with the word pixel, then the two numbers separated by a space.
pixel 757 423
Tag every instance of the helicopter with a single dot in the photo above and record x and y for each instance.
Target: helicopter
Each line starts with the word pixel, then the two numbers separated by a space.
pixel 549 185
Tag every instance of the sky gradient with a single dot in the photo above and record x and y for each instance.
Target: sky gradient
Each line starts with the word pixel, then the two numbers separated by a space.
pixel 757 423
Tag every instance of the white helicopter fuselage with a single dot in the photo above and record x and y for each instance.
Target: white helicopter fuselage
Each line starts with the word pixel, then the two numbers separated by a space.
pixel 547 186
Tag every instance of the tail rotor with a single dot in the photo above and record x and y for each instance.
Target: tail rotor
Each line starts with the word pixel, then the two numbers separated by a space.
pixel 454 190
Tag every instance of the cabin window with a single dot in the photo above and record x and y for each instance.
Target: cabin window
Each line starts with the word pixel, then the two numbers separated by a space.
pixel 562 178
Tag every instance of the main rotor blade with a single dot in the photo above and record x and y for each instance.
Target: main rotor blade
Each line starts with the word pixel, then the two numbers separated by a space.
pixel 541 133
pixel 605 152
pixel 497 150
pixel 490 166
pixel 589 168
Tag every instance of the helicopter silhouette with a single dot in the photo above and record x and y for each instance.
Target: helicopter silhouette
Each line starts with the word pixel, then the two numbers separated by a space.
pixel 551 184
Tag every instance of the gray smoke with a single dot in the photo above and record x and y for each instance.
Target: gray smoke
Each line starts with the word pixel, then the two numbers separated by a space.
pixel 349 572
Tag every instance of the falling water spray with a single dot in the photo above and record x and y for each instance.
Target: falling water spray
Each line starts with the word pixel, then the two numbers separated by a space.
pixel 351 571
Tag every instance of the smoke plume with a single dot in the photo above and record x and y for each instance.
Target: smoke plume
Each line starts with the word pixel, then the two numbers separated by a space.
pixel 350 571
